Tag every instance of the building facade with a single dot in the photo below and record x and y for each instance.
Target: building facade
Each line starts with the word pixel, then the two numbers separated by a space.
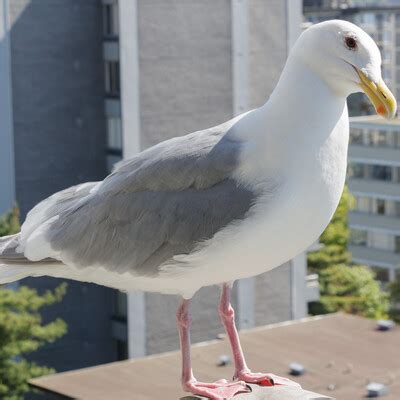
pixel 374 180
pixel 87 83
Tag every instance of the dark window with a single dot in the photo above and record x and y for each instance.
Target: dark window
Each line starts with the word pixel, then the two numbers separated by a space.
pixel 120 305
pixel 122 349
pixel 358 237
pixel 381 274
pixel 381 172
pixel 380 206
pixel 110 19
pixel 356 170
pixel 112 82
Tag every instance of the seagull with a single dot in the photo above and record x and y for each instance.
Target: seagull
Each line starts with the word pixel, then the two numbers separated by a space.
pixel 217 205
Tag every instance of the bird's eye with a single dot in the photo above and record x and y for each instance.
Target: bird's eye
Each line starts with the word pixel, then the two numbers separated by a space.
pixel 351 42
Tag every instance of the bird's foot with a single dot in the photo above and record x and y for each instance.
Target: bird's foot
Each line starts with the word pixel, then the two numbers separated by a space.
pixel 218 390
pixel 263 379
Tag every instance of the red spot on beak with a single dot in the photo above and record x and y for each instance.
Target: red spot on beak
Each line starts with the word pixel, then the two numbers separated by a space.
pixel 266 382
pixel 381 110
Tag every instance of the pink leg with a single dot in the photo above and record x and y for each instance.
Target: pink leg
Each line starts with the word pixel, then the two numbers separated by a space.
pixel 242 372
pixel 221 389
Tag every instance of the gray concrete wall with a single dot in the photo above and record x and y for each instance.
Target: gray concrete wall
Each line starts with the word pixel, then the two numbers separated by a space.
pixel 59 134
pixel 57 85
pixel 7 178
pixel 184 65
pixel 273 296
pixel 267 47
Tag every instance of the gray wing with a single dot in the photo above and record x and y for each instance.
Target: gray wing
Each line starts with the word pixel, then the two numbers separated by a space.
pixel 161 203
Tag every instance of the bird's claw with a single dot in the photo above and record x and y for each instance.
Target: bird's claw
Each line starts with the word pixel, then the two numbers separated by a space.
pixel 218 390
pixel 264 379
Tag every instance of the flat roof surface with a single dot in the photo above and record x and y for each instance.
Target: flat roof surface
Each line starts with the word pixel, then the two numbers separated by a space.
pixel 341 351
pixel 374 120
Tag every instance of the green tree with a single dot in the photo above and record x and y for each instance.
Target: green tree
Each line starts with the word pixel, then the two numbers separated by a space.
pixel 344 287
pixel 22 330
pixel 334 239
pixel 353 290
pixel 394 293
pixel 9 223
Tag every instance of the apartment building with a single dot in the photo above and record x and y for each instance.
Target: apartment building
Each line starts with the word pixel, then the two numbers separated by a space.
pixel 374 180
pixel 85 83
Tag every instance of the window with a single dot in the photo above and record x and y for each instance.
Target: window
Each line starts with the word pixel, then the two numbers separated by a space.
pixel 110 19
pixel 356 170
pixel 356 136
pixel 112 82
pixel 379 138
pixel 380 206
pixel 363 204
pixel 114 133
pixel 368 18
pixel 121 349
pixel 387 74
pixel 387 36
pixel 397 244
pixel 358 237
pixel 381 274
pixel 381 172
pixel 120 305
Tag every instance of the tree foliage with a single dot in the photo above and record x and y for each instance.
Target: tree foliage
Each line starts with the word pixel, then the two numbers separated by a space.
pixel 21 328
pixel 334 239
pixel 394 292
pixel 353 290
pixel 9 223
pixel 344 287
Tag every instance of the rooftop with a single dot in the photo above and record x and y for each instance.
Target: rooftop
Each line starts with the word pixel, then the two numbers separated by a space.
pixel 341 354
pixel 374 122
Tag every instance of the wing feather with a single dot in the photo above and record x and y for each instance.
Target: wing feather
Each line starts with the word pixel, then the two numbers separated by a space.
pixel 159 204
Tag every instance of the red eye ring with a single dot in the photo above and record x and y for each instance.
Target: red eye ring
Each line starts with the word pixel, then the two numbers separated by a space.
pixel 351 42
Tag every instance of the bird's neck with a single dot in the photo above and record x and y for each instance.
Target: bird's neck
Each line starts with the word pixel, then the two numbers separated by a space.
pixel 297 121
pixel 303 100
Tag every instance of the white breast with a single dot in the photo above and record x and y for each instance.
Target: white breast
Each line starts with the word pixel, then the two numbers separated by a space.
pixel 282 224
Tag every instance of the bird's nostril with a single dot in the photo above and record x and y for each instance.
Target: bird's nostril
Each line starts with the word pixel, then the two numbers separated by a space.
pixel 383 94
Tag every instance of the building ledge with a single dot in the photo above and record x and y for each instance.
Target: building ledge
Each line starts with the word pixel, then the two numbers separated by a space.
pixel 374 222
pixel 273 393
pixel 374 257
pixel 374 188
pixel 374 155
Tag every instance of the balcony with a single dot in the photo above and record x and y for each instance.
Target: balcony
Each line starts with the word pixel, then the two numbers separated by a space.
pixel 374 188
pixel 374 222
pixel 374 155
pixel 376 257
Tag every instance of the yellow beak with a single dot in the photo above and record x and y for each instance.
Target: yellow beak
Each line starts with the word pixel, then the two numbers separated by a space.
pixel 381 97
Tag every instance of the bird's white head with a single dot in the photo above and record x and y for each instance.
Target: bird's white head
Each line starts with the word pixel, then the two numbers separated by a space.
pixel 348 59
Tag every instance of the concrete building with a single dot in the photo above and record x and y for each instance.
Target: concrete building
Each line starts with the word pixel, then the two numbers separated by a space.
pixel 374 180
pixel 86 83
